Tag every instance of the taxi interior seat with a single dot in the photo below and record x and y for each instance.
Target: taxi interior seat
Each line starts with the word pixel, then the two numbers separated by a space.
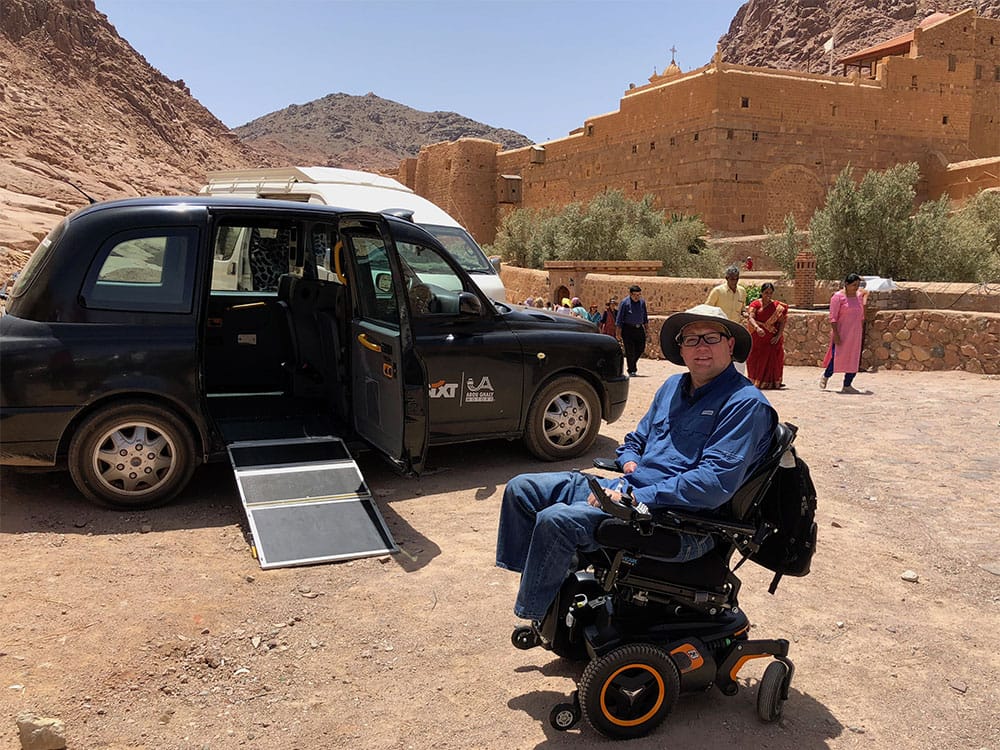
pixel 316 312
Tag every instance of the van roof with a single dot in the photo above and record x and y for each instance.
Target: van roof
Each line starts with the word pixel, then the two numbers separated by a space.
pixel 348 188
pixel 315 175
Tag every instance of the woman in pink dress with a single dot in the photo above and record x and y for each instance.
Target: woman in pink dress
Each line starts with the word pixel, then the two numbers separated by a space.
pixel 847 317
pixel 766 318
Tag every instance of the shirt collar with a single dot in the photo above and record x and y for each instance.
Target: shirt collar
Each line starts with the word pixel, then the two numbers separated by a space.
pixel 723 377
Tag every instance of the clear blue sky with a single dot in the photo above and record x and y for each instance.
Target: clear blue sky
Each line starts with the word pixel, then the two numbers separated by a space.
pixel 539 68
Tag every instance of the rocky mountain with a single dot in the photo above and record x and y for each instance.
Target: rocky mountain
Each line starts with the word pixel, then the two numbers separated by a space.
pixel 361 132
pixel 790 34
pixel 79 105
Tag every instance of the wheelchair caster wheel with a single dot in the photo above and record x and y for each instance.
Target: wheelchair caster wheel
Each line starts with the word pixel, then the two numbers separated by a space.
pixel 564 716
pixel 770 692
pixel 525 637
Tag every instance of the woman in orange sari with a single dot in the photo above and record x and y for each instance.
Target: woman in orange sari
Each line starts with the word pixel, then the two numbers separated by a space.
pixel 767 319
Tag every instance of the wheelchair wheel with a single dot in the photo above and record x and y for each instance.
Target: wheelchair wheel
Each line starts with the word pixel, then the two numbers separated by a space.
pixel 525 637
pixel 564 716
pixel 629 691
pixel 769 693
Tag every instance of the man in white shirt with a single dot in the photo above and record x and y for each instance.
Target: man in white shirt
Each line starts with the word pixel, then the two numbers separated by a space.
pixel 731 297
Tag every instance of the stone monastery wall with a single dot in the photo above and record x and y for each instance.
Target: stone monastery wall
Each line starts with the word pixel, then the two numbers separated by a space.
pixel 745 146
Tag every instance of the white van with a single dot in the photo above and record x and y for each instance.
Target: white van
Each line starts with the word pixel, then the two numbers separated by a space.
pixel 362 191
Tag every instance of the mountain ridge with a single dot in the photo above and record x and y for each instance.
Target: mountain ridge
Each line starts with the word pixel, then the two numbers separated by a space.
pixel 790 34
pixel 336 131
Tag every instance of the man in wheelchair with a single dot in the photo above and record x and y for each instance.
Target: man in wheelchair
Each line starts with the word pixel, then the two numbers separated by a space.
pixel 644 617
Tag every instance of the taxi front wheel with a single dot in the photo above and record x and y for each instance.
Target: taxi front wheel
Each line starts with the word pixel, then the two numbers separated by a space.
pixel 563 420
pixel 131 455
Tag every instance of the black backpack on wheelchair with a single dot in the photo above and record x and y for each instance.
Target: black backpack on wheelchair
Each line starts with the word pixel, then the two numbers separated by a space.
pixel 652 629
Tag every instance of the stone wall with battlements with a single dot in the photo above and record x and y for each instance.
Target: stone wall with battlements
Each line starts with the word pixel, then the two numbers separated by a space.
pixel 743 147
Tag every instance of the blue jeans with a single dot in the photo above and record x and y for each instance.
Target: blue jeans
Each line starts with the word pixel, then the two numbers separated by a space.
pixel 848 376
pixel 544 520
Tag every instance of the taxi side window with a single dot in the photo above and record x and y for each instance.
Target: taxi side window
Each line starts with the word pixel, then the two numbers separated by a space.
pixel 432 284
pixel 252 256
pixel 149 270
pixel 376 291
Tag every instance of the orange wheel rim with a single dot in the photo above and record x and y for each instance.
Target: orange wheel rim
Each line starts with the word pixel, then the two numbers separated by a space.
pixel 646 716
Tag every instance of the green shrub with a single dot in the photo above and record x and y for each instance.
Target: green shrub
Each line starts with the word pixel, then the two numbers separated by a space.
pixel 610 227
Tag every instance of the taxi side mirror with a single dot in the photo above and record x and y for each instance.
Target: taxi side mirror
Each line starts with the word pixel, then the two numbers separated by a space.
pixel 469 304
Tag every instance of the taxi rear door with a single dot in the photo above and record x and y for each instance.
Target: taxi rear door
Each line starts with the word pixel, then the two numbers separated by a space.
pixel 388 378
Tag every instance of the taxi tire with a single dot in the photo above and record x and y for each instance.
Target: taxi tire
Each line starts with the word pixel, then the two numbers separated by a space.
pixel 575 393
pixel 173 441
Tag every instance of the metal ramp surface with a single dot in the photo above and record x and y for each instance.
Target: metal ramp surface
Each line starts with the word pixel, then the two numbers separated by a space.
pixel 306 502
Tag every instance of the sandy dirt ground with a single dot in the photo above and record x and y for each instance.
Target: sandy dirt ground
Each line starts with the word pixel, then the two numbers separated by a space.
pixel 159 630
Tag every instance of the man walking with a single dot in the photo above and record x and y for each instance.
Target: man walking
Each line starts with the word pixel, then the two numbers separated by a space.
pixel 633 322
pixel 731 297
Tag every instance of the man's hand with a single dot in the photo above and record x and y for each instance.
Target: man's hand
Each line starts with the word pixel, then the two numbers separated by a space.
pixel 629 466
pixel 613 494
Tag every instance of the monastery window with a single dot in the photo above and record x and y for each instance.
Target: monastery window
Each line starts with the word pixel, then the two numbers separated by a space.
pixel 729 134
pixel 696 136
pixel 876 124
pixel 745 102
pixel 996 73
pixel 833 110
pixel 652 145
pixel 753 136
pixel 944 119
pixel 979 72
pixel 673 141
pixel 743 218
pixel 635 185
pixel 952 63
pixel 590 130
pixel 913 82
pixel 635 148
pixel 736 177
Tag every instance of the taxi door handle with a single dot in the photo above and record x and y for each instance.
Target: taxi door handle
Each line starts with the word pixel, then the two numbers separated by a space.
pixel 363 340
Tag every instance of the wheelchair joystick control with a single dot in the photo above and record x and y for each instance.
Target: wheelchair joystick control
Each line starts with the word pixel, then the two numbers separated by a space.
pixel 633 512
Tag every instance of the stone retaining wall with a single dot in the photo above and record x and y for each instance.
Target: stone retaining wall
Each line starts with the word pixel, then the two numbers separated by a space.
pixel 894 340
pixel 895 337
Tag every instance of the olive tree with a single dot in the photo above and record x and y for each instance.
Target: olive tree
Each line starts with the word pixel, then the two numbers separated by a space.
pixel 866 227
pixel 783 247
pixel 609 227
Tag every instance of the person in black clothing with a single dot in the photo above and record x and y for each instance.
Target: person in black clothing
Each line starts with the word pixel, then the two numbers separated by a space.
pixel 633 322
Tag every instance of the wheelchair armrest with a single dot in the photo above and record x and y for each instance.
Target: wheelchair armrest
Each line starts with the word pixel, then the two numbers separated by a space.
pixel 608 464
pixel 676 519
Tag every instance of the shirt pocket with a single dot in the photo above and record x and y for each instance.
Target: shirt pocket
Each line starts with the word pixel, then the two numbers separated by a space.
pixel 690 437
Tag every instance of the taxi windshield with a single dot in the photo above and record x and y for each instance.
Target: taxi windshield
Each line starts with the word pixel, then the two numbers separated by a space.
pixel 462 248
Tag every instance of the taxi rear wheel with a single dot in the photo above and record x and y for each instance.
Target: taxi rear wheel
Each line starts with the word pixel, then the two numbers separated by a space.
pixel 131 455
pixel 563 420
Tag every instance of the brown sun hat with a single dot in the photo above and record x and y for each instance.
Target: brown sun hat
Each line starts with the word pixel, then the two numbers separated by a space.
pixel 707 314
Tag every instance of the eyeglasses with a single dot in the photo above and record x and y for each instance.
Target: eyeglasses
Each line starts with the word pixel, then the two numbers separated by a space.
pixel 712 338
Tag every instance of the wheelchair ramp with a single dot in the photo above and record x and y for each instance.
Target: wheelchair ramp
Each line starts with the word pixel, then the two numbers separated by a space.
pixel 306 502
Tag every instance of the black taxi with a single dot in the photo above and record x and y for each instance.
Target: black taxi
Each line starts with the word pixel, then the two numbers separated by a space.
pixel 144 335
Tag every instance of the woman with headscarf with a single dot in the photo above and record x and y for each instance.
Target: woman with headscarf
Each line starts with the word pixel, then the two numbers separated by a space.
pixel 766 319
pixel 608 318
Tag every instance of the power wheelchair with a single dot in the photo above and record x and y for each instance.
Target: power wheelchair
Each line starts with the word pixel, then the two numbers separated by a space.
pixel 652 629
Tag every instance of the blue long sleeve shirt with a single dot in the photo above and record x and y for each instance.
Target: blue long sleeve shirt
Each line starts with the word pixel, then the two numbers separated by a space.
pixel 694 451
pixel 632 313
